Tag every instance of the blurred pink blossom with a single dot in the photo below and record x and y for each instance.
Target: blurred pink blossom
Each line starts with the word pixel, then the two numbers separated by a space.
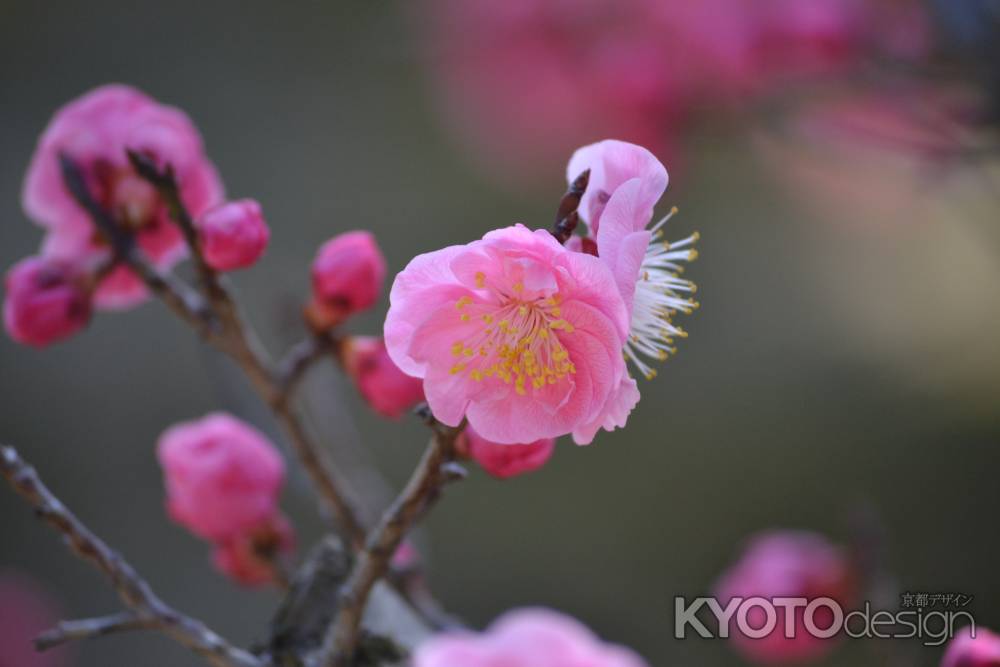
pixel 525 638
pixel 223 477
pixel 25 612
pixel 964 650
pixel 233 235
pixel 515 332
pixel 347 277
pixel 504 461
pixel 866 158
pixel 526 80
pixel 406 557
pixel 249 558
pixel 388 390
pixel 787 564
pixel 45 302
pixel 95 130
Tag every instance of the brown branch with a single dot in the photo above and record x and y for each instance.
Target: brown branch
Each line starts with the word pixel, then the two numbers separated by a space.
pixel 89 628
pixel 435 469
pixel 300 358
pixel 181 299
pixel 218 320
pixel 166 185
pixel 133 590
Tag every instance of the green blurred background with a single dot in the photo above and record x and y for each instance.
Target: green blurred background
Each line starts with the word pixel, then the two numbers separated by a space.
pixel 838 363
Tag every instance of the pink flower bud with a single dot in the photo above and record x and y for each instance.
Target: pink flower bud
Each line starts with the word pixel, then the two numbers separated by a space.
pixel 46 302
pixel 525 638
pixel 964 650
pixel 250 558
pixel 787 564
pixel 233 235
pixel 223 477
pixel 388 390
pixel 347 275
pixel 503 461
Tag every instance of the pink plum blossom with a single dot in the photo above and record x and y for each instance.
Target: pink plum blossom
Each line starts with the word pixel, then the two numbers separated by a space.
pixel 503 461
pixel 964 650
pixel 233 235
pixel 787 564
pixel 95 130
pixel 516 333
pixel 347 276
pixel 388 390
pixel 626 182
pixel 249 558
pixel 45 302
pixel 26 610
pixel 525 638
pixel 223 477
pixel 524 81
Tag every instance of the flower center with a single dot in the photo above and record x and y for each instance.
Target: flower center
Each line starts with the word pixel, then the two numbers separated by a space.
pixel 516 342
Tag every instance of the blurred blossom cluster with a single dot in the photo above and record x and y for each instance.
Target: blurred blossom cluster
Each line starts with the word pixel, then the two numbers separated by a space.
pixel 223 479
pixel 526 80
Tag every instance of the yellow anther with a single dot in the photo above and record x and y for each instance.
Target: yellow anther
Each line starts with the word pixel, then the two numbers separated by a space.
pixel 692 255
pixel 480 279
pixel 476 375
pixel 463 302
pixel 457 368
pixel 518 287
pixel 488 319
pixel 465 317
pixel 456 349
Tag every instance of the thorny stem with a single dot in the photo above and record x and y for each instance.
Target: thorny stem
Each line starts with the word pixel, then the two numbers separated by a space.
pixel 148 610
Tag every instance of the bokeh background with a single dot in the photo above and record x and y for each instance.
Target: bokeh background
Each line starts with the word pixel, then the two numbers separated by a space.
pixel 844 362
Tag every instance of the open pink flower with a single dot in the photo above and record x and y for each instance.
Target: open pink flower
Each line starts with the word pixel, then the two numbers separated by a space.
pixel 233 235
pixel 45 301
pixel 964 650
pixel 504 461
pixel 388 390
pixel 626 182
pixel 516 333
pixel 223 477
pixel 787 564
pixel 525 638
pixel 95 130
